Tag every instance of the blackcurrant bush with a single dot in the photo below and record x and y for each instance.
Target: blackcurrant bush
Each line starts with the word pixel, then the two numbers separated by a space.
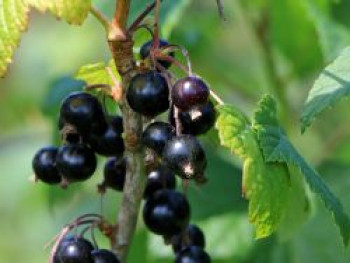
pixel 114 174
pixel 166 212
pixel 44 165
pixel 148 93
pixel 76 162
pixel 192 254
pixel 104 256
pixel 110 143
pixel 191 236
pixel 74 250
pixel 156 135
pixel 83 111
pixel 159 178
pixel 189 92
pixel 197 120
pixel 185 156
pixel 145 52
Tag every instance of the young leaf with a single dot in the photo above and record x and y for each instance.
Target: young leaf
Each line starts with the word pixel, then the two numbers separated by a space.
pixel 98 73
pixel 13 21
pixel 264 184
pixel 72 11
pixel 331 86
pixel 277 148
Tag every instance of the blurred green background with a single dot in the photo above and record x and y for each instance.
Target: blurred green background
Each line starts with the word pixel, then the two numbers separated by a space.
pixel 276 47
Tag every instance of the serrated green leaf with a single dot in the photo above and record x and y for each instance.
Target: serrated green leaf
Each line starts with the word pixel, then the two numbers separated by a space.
pixel 97 73
pixel 13 21
pixel 331 86
pixel 264 184
pixel 277 148
pixel 72 11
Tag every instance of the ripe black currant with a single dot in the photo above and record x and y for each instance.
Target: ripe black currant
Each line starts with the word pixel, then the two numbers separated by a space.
pixel 44 165
pixel 145 52
pixel 192 254
pixel 191 236
pixel 156 135
pixel 76 162
pixel 197 120
pixel 74 250
pixel 110 143
pixel 148 94
pixel 84 112
pixel 114 174
pixel 166 212
pixel 104 256
pixel 185 156
pixel 159 178
pixel 189 92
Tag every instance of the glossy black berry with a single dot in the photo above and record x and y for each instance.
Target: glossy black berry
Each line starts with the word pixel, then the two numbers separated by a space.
pixel 156 135
pixel 166 212
pixel 104 256
pixel 191 236
pixel 192 254
pixel 83 111
pixel 185 156
pixel 197 120
pixel 109 143
pixel 189 92
pixel 74 250
pixel 148 93
pixel 76 162
pixel 114 174
pixel 145 52
pixel 159 178
pixel 44 165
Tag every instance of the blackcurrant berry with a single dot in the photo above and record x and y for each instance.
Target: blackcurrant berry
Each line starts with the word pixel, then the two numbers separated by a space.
pixel 156 135
pixel 76 162
pixel 104 256
pixel 74 250
pixel 159 178
pixel 145 52
pixel 84 112
pixel 44 165
pixel 189 92
pixel 197 120
pixel 191 236
pixel 166 212
pixel 148 93
pixel 192 254
pixel 114 174
pixel 110 143
pixel 185 156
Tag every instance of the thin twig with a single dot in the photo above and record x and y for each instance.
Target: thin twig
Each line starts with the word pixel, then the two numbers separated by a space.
pixel 100 17
pixel 221 9
pixel 216 97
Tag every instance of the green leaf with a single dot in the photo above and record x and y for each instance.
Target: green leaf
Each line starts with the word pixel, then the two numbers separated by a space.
pixel 331 86
pixel 277 148
pixel 13 21
pixel 97 73
pixel 264 184
pixel 72 11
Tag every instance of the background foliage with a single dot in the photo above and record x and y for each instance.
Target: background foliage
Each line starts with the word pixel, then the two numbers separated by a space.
pixel 278 48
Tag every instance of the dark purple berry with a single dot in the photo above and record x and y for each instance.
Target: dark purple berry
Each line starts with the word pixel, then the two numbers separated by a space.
pixel 74 250
pixel 156 135
pixel 104 256
pixel 158 179
pixel 191 236
pixel 44 165
pixel 192 254
pixel 145 52
pixel 148 93
pixel 76 162
pixel 189 92
pixel 114 174
pixel 166 212
pixel 185 156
